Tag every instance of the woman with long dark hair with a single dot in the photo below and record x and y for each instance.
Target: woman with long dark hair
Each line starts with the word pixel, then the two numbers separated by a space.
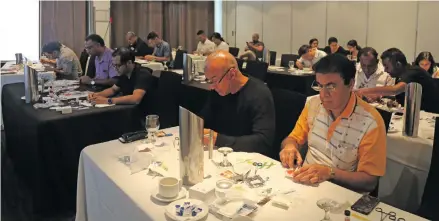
pixel 426 61
pixel 220 44
pixel 353 49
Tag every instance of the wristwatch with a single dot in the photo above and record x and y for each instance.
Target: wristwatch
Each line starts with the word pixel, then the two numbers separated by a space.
pixel 92 82
pixel 110 101
pixel 331 173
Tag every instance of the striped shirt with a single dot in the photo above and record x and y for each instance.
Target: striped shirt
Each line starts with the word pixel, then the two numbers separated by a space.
pixel 354 141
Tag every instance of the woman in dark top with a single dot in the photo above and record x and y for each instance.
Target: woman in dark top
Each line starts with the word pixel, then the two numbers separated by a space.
pixel 426 61
pixel 353 49
pixel 333 47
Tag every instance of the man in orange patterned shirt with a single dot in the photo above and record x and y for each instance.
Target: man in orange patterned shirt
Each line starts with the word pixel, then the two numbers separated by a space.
pixel 346 137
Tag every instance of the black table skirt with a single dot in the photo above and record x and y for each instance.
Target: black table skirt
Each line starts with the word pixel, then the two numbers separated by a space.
pixel 45 145
pixel 297 83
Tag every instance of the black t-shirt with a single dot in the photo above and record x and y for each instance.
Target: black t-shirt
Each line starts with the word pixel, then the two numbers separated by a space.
pixel 430 92
pixel 140 48
pixel 140 78
pixel 340 50
pixel 244 121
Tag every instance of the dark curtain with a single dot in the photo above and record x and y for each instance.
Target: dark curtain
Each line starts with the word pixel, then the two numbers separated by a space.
pixel 64 21
pixel 176 22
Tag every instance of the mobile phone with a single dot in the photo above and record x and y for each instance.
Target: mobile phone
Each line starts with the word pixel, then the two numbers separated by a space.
pixel 365 204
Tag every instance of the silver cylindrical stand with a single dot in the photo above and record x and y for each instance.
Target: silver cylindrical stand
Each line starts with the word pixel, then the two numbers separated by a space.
pixel 191 148
pixel 412 108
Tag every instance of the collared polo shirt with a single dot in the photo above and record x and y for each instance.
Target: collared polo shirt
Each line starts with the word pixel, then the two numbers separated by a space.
pixel 104 67
pixel 355 141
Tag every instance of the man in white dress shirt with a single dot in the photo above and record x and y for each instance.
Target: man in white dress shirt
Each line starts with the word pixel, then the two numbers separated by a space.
pixel 205 46
pixel 308 56
pixel 370 72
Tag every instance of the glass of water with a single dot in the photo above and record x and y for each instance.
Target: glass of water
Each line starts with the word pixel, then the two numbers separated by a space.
pixel 291 65
pixel 152 125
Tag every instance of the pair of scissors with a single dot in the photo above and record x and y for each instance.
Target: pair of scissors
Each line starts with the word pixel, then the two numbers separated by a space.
pixel 391 215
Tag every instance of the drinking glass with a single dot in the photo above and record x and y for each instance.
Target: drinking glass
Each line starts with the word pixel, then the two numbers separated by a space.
pixel 327 205
pixel 152 125
pixel 222 188
pixel 291 65
pixel 225 151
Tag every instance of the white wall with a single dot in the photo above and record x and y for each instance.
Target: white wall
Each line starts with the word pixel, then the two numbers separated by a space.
pixel 285 26
pixel 102 17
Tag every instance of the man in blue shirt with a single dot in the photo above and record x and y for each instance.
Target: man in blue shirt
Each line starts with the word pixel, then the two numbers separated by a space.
pixel 162 50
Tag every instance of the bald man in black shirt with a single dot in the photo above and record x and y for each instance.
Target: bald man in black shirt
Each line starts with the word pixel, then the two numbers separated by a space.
pixel 240 109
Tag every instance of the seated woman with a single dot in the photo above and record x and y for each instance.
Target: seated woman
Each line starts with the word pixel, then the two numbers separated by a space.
pixel 353 49
pixel 220 44
pixel 426 61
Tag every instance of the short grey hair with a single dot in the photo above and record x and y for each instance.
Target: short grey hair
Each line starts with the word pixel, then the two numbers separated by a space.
pixel 131 33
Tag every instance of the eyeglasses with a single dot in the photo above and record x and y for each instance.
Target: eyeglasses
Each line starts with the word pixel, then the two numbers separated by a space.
pixel 208 81
pixel 318 87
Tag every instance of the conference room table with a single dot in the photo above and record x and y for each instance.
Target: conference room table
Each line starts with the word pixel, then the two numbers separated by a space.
pixel 8 77
pixel 298 81
pixel 108 190
pixel 408 163
pixel 44 145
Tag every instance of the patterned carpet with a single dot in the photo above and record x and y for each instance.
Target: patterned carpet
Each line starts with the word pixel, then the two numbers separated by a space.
pixel 15 198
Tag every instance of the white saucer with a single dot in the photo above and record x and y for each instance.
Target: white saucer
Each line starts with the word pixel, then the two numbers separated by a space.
pixel 155 194
pixel 170 210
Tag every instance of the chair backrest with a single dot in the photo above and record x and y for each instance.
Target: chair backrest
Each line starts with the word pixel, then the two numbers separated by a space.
pixel 256 69
pixel 387 116
pixel 286 58
pixel 240 64
pixel 273 58
pixel 234 51
pixel 428 208
pixel 88 65
pixel 178 62
pixel 288 106
pixel 168 102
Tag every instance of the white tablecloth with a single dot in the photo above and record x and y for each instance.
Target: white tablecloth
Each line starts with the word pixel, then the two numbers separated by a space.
pixel 408 163
pixel 14 78
pixel 107 191
pixel 150 64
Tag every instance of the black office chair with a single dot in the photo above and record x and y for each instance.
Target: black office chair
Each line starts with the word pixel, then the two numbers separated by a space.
pixel 240 64
pixel 286 58
pixel 168 102
pixel 429 207
pixel 178 62
pixel 273 58
pixel 91 69
pixel 256 69
pixel 234 51
pixel 288 105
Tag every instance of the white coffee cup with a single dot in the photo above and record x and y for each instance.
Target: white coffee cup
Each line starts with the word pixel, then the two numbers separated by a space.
pixel 169 187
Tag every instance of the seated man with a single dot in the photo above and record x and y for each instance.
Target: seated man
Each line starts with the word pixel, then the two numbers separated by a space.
pixel 67 63
pixel 346 137
pixel 240 110
pixel 133 82
pixel 395 63
pixel 254 50
pixel 137 45
pixel 105 72
pixel 162 50
pixel 370 72
pixel 334 48
pixel 308 56
pixel 205 46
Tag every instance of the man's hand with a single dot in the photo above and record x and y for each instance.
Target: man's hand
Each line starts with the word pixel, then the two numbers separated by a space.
pixel 100 100
pixel 373 98
pixel 312 174
pixel 92 96
pixel 149 57
pixel 85 80
pixel 288 154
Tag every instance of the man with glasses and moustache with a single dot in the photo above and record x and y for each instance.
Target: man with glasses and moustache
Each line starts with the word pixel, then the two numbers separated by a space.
pixel 240 109
pixel 133 81
pixel 346 137
pixel 105 72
